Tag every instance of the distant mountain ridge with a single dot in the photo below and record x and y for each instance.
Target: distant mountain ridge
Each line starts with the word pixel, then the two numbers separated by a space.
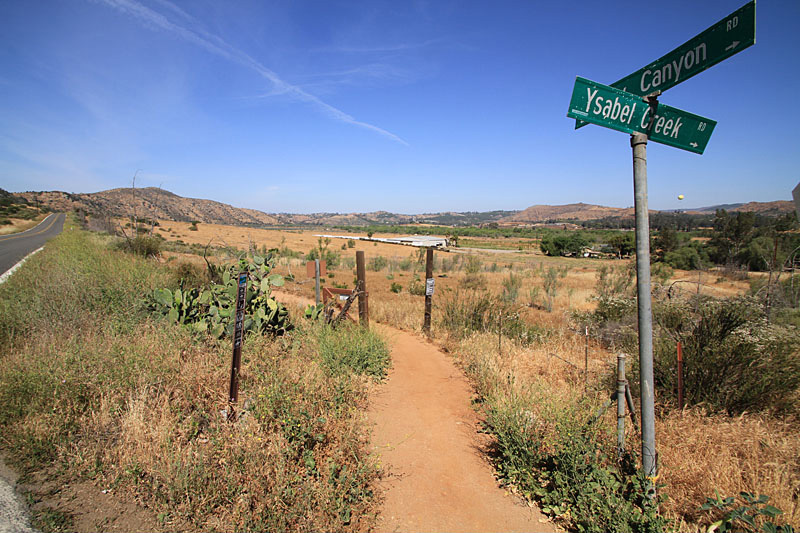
pixel 553 213
pixel 775 208
pixel 156 203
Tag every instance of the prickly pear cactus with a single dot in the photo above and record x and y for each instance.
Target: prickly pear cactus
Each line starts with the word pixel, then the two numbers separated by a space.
pixel 211 309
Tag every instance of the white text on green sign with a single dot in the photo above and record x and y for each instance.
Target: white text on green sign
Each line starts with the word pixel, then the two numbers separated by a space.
pixel 730 35
pixel 606 106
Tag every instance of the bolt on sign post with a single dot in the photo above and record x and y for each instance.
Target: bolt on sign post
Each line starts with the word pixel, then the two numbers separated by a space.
pixel 363 299
pixel 429 282
pixel 630 106
pixel 236 363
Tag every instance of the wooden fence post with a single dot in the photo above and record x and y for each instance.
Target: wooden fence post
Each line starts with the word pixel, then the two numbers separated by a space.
pixel 426 326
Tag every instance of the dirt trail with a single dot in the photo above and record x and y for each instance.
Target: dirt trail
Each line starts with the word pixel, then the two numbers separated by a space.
pixel 426 437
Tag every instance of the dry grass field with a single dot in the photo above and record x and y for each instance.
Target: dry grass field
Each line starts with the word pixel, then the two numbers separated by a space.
pixel 699 453
pixel 17 225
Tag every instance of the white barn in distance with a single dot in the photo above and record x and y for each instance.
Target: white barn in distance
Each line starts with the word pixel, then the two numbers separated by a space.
pixel 422 241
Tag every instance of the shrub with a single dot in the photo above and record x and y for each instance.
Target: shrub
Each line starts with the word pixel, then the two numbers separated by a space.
pixel 555 456
pixel 416 287
pixel 550 281
pixel 472 265
pixel 190 275
pixel 213 309
pixel 352 348
pixel 476 282
pixel 396 288
pixel 684 258
pixel 377 263
pixel 511 286
pixel 351 243
pixel 144 245
pixel 734 360
pixel 753 511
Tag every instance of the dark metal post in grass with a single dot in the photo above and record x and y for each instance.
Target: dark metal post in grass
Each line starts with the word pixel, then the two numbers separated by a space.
pixel 680 375
pixel 236 363
pixel 426 326
pixel 621 385
pixel 363 300
pixel 586 363
pixel 639 147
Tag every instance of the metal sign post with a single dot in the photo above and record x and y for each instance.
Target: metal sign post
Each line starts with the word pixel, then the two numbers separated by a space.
pixel 629 105
pixel 639 146
pixel 236 363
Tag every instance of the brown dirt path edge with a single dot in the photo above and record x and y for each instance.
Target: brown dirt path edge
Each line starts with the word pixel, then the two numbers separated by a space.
pixel 425 435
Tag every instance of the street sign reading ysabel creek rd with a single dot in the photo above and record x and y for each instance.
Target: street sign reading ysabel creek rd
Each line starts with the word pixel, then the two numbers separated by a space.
pixel 612 108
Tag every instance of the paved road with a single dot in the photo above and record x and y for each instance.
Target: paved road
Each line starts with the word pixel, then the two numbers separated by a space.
pixel 17 245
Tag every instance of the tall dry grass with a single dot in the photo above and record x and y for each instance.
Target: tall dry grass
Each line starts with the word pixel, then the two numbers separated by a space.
pixel 701 454
pixel 92 387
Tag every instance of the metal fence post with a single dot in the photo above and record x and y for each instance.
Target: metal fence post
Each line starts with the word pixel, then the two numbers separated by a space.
pixel 621 385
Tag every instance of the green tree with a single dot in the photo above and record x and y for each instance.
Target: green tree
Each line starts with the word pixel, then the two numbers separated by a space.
pixel 731 234
pixel 666 241
pixel 622 243
pixel 556 245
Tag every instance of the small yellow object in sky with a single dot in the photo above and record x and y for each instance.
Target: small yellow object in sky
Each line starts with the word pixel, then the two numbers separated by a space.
pixel 680 197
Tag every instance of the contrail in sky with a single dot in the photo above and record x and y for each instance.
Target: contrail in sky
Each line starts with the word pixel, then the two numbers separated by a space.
pixel 216 45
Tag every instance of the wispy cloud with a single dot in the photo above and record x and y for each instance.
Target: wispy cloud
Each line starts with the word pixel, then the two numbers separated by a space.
pixel 218 46
pixel 371 74
pixel 399 47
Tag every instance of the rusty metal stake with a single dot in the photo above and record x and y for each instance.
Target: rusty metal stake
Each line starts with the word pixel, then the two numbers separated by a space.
pixel 680 375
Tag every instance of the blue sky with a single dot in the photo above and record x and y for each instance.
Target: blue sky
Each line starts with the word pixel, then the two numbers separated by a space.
pixel 419 106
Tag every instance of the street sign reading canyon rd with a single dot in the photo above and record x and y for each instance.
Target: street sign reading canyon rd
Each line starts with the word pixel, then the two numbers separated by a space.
pixel 727 37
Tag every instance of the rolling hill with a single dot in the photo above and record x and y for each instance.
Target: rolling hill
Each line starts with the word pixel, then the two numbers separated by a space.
pixel 155 203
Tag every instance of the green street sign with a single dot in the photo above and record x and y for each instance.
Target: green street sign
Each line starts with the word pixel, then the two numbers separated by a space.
pixel 612 108
pixel 727 37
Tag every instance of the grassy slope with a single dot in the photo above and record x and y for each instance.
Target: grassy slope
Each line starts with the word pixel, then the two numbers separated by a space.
pixel 91 384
